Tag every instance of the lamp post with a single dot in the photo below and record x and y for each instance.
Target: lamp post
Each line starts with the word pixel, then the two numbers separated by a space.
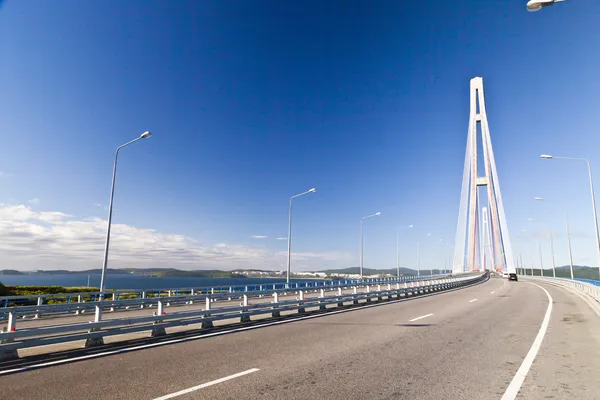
pixel 537 5
pixel 431 266
pixel 553 259
pixel 144 135
pixel 398 249
pixel 397 254
pixel 541 259
pixel 548 157
pixel 418 259
pixel 568 235
pixel 551 246
pixel 289 260
pixel 361 240
pixel 523 271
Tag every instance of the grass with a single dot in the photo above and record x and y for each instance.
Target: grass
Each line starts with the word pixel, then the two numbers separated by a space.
pixel 33 290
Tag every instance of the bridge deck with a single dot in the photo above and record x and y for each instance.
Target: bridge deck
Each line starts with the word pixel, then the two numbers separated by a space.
pixel 467 349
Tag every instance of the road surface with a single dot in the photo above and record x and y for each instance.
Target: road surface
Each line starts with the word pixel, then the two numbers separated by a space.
pixel 465 344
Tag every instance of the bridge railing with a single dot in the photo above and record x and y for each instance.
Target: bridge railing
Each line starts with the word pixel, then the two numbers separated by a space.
pixel 586 287
pixel 590 281
pixel 81 302
pixel 93 332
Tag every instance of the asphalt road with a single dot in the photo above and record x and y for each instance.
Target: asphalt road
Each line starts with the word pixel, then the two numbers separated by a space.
pixel 465 344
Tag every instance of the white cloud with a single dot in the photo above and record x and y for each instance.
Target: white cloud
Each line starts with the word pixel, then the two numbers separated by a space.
pixel 258 237
pixel 4 174
pixel 34 201
pixel 282 238
pixel 44 240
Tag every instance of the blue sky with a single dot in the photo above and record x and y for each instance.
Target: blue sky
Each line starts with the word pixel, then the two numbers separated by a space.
pixel 252 102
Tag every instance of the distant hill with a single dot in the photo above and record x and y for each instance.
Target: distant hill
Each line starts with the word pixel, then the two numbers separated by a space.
pixel 580 271
pixel 84 272
pixel 10 272
pixel 371 271
pixel 157 272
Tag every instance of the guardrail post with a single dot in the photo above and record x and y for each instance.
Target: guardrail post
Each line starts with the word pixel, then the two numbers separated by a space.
pixel 12 354
pixel 12 322
pixel 143 297
pixel 276 313
pixel 114 297
pixel 96 340
pixel 159 330
pixel 367 291
pixel 40 301
pixel 301 310
pixel 379 296
pixel 207 324
pixel 321 295
pixel 77 312
pixel 97 313
pixel 245 318
pixel 340 301
pixel 354 292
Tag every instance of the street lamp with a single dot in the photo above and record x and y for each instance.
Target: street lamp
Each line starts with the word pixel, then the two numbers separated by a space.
pixel 289 260
pixel 568 236
pixel 537 5
pixel 551 246
pixel 431 266
pixel 398 248
pixel 548 157
pixel 144 135
pixel 361 240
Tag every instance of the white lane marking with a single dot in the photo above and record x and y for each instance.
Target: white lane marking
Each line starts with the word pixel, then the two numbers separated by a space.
pixel 207 335
pixel 493 292
pixel 515 385
pixel 421 317
pixel 207 384
pixel 470 301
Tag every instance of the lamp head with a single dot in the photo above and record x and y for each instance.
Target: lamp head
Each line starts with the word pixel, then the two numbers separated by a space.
pixel 378 213
pixel 145 135
pixel 537 5
pixel 546 156
pixel 312 190
pixel 533 6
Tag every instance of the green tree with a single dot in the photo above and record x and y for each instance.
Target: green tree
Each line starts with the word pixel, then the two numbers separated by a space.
pixel 3 290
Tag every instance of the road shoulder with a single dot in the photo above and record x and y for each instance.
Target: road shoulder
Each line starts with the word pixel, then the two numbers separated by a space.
pixel 568 362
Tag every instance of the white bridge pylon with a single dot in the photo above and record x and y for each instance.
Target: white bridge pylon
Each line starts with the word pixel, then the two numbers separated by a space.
pixel 481 247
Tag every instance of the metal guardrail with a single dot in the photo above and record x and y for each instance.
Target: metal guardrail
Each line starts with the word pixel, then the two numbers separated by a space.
pixel 81 302
pixel 93 332
pixel 590 281
pixel 589 289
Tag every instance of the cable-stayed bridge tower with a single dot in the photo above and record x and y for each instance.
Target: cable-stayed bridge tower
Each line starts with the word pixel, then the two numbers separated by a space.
pixel 472 240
